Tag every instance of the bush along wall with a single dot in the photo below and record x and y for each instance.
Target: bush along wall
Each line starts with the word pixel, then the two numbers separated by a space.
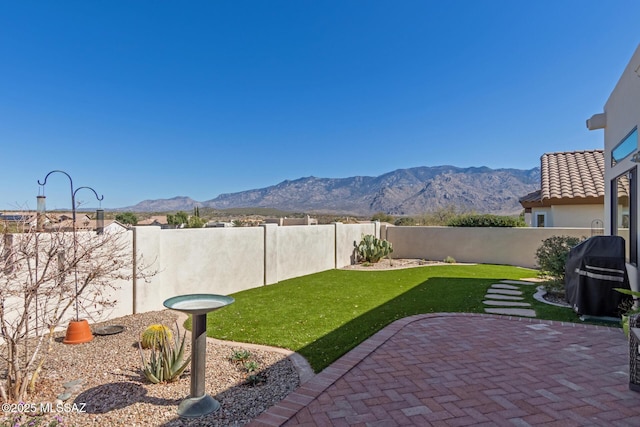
pixel 485 220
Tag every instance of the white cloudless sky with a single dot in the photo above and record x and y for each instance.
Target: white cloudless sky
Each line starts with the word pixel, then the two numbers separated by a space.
pixel 149 100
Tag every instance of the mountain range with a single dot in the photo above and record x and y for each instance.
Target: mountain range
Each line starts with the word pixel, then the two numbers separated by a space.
pixel 401 192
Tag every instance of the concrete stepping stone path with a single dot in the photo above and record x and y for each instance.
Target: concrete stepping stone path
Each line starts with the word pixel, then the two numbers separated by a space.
pixel 503 298
pixel 501 286
pixel 503 291
pixel 507 303
pixel 517 282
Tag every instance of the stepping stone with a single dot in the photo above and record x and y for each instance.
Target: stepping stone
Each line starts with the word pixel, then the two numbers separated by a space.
pixel 73 383
pixel 503 292
pixel 525 312
pixel 501 286
pixel 517 282
pixel 64 396
pixel 507 303
pixel 504 297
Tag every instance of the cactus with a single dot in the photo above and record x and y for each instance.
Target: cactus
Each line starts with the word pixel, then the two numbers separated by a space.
pixel 165 363
pixel 372 249
pixel 153 335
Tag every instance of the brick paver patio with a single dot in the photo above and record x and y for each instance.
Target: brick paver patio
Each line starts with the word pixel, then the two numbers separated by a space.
pixel 471 369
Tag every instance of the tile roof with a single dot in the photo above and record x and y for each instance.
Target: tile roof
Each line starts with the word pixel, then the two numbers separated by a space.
pixel 569 177
pixel 81 224
pixel 532 197
pixel 572 174
pixel 154 220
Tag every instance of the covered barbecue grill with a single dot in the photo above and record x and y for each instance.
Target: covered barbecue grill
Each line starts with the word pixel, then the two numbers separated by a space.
pixel 593 269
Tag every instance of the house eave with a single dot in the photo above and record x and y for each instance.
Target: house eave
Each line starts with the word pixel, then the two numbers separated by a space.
pixel 563 201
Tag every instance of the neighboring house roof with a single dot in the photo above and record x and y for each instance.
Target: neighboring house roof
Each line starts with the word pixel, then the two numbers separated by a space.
pixel 574 177
pixel 154 220
pixel 18 217
pixel 83 223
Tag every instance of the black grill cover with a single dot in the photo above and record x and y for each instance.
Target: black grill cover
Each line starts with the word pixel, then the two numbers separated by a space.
pixel 593 269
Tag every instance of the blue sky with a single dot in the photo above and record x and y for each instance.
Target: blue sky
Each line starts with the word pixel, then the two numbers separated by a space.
pixel 156 99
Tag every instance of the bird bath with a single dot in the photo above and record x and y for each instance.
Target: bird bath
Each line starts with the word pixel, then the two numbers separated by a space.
pixel 198 305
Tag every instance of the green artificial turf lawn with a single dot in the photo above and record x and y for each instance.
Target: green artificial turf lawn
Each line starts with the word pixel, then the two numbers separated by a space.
pixel 324 315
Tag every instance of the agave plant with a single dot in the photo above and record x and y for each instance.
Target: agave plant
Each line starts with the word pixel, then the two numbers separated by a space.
pixel 165 363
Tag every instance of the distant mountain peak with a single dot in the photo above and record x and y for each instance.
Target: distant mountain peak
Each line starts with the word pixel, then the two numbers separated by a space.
pixel 409 191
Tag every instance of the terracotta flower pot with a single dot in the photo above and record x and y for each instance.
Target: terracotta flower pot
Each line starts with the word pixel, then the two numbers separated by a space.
pixel 78 332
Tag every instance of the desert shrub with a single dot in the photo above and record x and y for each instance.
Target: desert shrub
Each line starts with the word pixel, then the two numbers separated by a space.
pixel 552 255
pixel 405 220
pixel 440 216
pixel 485 220
pixel 196 222
pixel 554 286
pixel 382 217
pixel 127 218
pixel 240 355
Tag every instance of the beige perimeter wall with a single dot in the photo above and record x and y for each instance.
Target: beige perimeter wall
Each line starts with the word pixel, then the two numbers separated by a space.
pixel 512 246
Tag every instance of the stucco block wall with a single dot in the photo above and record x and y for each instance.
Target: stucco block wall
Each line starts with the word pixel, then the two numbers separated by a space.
pixel 122 292
pixel 305 249
pixel 207 260
pixel 346 236
pixel 512 246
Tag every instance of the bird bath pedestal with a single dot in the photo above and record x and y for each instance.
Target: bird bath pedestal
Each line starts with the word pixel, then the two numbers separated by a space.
pixel 198 305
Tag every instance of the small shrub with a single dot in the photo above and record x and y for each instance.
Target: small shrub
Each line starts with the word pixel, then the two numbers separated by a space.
pixel 154 335
pixel 255 379
pixel 240 355
pixel 372 249
pixel 405 220
pixel 196 222
pixel 450 260
pixel 552 256
pixel 382 217
pixel 554 287
pixel 251 366
pixel 127 218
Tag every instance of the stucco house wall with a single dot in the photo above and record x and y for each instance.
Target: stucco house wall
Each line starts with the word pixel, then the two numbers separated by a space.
pixel 581 216
pixel 576 215
pixel 620 117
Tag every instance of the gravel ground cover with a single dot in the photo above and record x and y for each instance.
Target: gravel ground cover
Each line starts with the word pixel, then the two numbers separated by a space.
pixel 392 264
pixel 109 389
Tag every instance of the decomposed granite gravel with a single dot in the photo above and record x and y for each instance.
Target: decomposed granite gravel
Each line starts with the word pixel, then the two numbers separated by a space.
pixel 107 387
